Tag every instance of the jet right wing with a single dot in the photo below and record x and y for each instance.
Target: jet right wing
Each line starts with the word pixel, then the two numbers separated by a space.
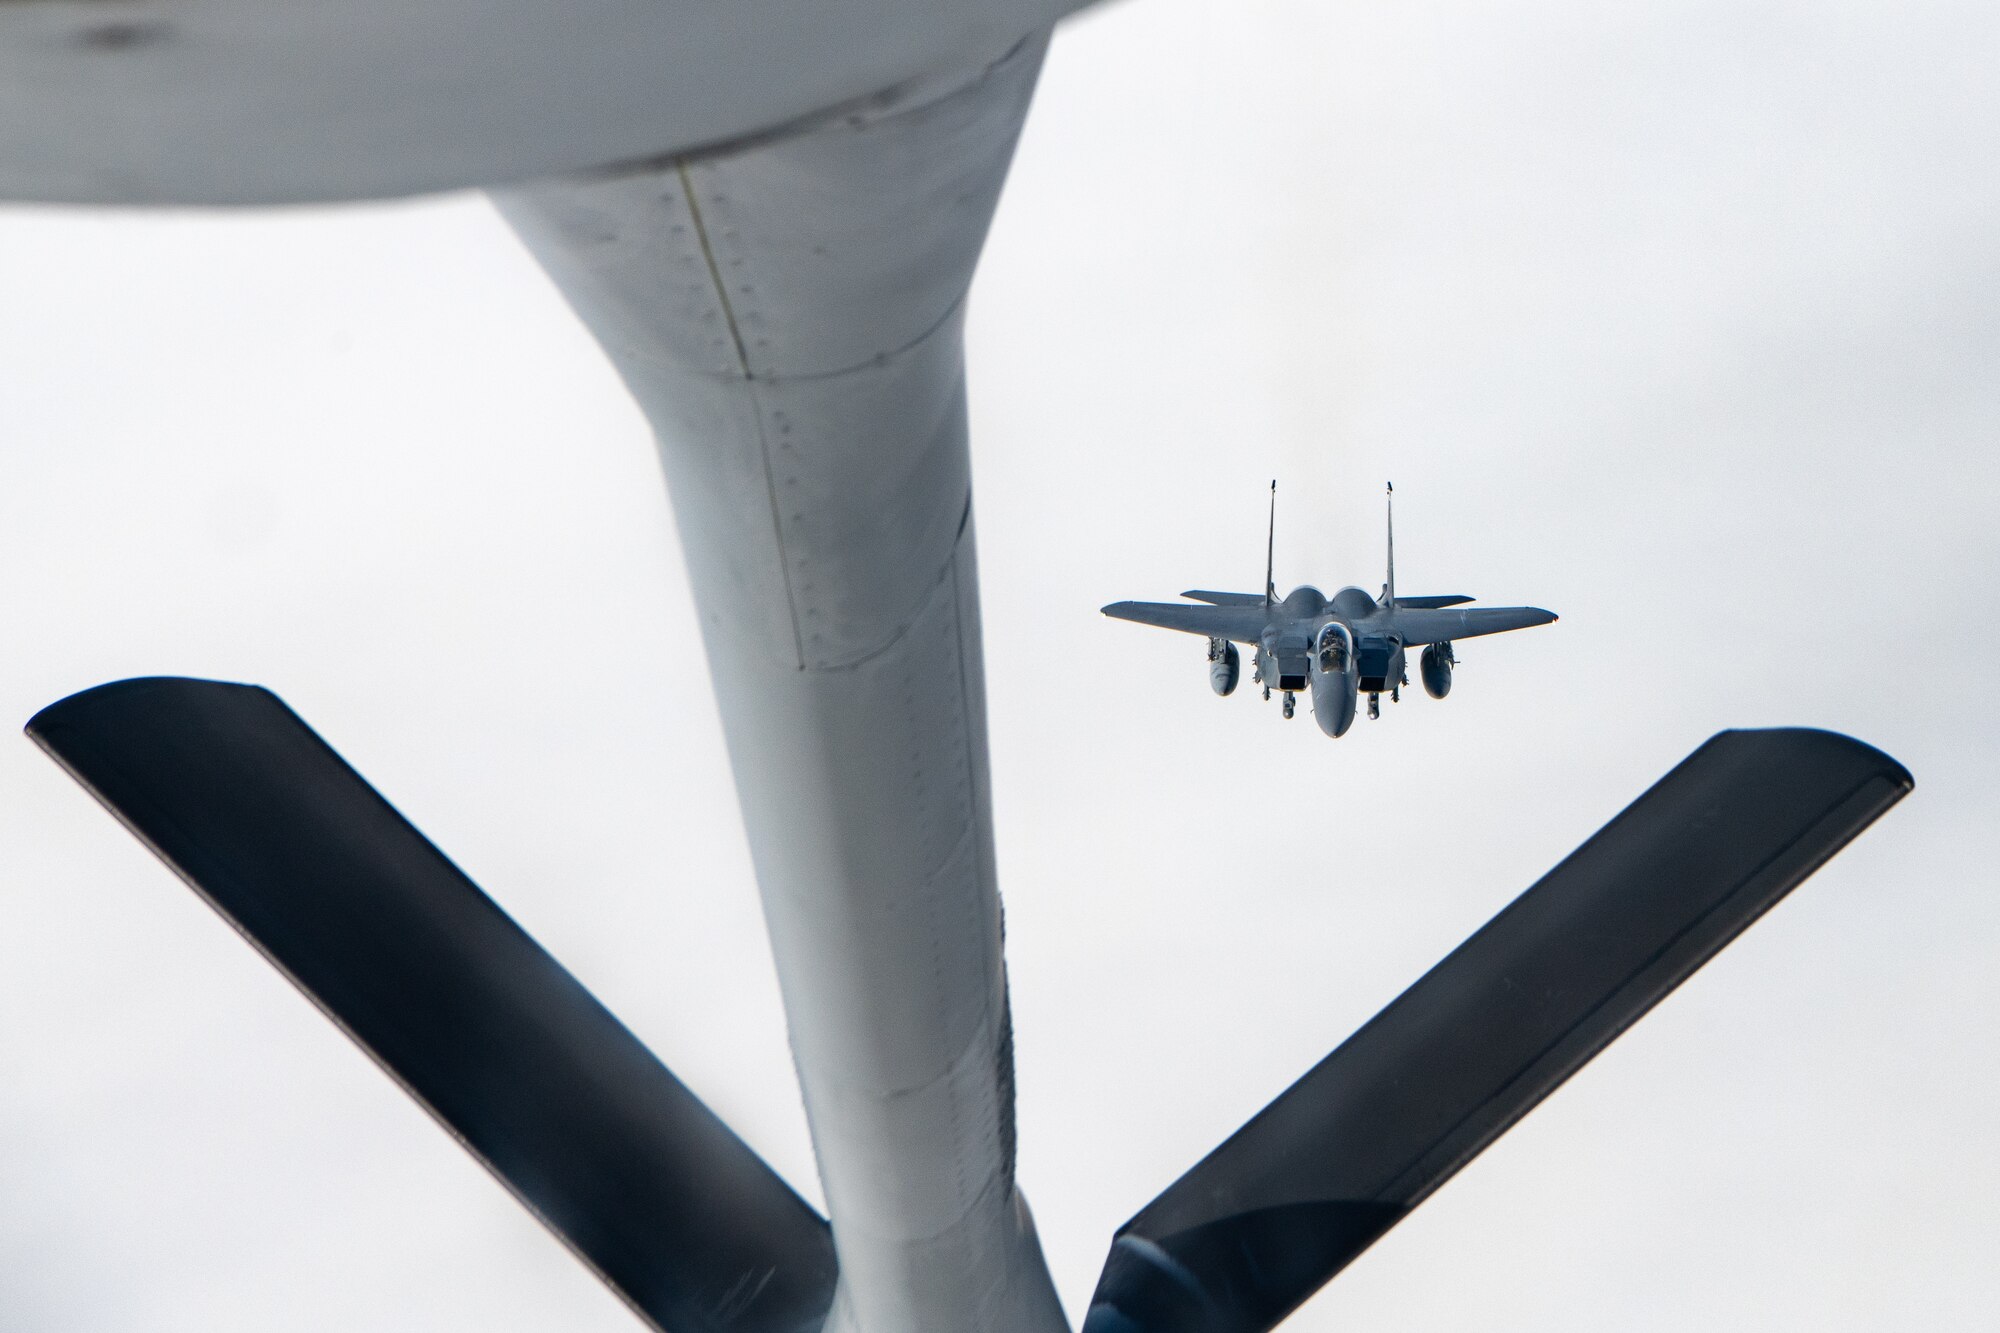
pixel 1419 626
pixel 1244 624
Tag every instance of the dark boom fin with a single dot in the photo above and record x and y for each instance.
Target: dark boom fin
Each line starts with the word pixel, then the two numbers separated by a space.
pixel 455 1002
pixel 1344 1154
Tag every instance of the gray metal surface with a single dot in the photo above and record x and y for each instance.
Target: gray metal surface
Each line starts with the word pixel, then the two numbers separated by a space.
pixel 789 317
pixel 454 1001
pixel 283 101
pixel 1369 1133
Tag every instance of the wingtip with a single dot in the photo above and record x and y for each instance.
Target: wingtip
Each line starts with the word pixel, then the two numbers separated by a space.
pixel 1821 746
pixel 78 706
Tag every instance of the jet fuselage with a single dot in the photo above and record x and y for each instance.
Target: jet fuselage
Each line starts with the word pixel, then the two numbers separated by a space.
pixel 1332 650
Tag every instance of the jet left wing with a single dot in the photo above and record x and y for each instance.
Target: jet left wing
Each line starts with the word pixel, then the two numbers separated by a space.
pixel 1417 626
pixel 1244 624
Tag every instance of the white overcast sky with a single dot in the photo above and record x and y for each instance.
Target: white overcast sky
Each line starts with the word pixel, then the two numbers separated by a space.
pixel 1681 319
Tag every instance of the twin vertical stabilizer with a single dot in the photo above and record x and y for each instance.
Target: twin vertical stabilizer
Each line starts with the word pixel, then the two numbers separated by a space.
pixel 1271 541
pixel 1270 548
pixel 1389 588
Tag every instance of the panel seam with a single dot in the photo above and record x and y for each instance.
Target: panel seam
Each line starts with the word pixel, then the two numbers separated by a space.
pixel 756 406
pixel 714 271
pixel 983 851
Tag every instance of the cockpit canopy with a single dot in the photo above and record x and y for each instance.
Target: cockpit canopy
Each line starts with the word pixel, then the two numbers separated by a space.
pixel 1333 648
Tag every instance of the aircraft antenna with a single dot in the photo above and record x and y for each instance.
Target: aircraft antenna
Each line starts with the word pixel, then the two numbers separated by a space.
pixel 1389 588
pixel 1270 548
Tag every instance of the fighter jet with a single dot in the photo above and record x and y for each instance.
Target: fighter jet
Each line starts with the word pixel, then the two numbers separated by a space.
pixel 1340 647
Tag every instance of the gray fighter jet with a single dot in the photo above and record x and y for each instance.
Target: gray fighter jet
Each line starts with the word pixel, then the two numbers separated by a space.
pixel 1338 647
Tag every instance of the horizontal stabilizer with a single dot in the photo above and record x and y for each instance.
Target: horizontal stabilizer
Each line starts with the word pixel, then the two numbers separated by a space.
pixel 1244 624
pixel 1432 603
pixel 1225 598
pixel 1259 1225
pixel 455 1002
